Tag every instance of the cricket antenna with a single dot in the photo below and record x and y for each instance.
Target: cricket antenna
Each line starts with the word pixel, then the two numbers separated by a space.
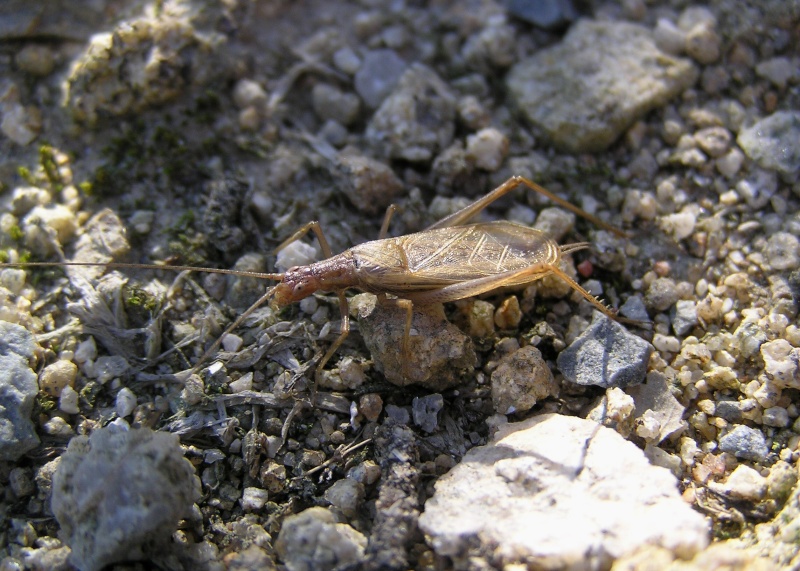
pixel 239 320
pixel 122 265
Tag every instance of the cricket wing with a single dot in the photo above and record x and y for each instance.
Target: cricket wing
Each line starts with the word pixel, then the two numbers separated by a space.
pixel 436 258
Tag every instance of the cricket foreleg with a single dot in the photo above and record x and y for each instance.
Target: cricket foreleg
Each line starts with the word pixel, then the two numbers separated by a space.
pixel 345 331
pixel 302 231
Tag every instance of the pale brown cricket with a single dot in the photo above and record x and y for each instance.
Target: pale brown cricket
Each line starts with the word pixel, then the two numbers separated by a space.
pixel 448 261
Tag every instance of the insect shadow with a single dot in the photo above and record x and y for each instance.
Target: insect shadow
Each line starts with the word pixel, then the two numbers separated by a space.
pixel 448 261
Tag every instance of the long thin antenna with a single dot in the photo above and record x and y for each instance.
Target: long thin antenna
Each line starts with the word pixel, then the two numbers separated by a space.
pixel 121 265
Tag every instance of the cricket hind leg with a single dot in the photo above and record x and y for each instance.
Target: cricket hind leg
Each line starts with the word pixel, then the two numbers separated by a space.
pixel 470 211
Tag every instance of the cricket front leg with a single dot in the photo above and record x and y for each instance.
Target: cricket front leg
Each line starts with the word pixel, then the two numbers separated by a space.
pixel 345 331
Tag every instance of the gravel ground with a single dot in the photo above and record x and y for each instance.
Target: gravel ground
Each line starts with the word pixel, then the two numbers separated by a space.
pixel 201 133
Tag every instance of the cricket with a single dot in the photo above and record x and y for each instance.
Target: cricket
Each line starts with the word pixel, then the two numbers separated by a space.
pixel 450 260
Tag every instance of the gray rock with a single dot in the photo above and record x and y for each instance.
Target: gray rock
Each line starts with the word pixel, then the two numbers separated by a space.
pixel 438 350
pixel 655 398
pixel 104 239
pixel 417 120
pixel 18 389
pixel 605 355
pixel 729 410
pixel 634 308
pixel 684 316
pixel 378 75
pixel 546 14
pixel 598 81
pixel 745 442
pixel 783 251
pixel 551 490
pixel 143 63
pixel 425 411
pixel 369 184
pixel 661 294
pixel 312 540
pixel 119 495
pixel 521 379
pixel 772 142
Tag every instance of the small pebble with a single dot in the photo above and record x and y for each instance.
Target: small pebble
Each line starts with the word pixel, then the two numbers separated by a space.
pixel 775 416
pixel 232 342
pixel 745 442
pixel 425 411
pixel 379 73
pixel 56 376
pixel 669 37
pixel 779 71
pixel 555 222
pixel 488 148
pixel 745 483
pixel 248 93
pixel 371 406
pixel 68 401
pixel 714 141
pixel 347 495
pixel 243 383
pixel 254 499
pixel 330 103
pixel 703 44
pixel 666 343
pixel 59 427
pixel 661 295
pixel 783 251
pixel 346 60
pixel 730 163
pixel 125 402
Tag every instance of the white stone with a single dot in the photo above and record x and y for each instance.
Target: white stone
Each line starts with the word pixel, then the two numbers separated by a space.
pixel 68 401
pixel 551 489
pixel 744 482
pixel 125 402
pixel 254 499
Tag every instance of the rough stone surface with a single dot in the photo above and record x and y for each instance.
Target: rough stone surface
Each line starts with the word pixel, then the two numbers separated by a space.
pixel 369 184
pixel 18 388
pixel 119 494
pixel 587 90
pixel 521 379
pixel 140 64
pixel 312 540
pixel 606 355
pixel 772 142
pixel 745 442
pixel 417 120
pixel 655 398
pixel 438 350
pixel 558 492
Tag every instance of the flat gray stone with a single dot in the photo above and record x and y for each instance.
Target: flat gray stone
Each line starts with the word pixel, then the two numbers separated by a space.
pixel 772 142
pixel 584 92
pixel 18 389
pixel 558 492
pixel 605 355
pixel 745 442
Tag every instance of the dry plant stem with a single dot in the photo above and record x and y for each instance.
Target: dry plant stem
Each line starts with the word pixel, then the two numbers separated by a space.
pixel 448 261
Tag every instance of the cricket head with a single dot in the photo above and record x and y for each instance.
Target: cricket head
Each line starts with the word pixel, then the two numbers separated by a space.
pixel 298 283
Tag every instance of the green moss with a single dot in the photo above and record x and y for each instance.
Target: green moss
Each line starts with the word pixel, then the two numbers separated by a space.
pixel 16 233
pixel 136 297
pixel 45 403
pixel 26 175
pixel 47 160
pixel 4 257
pixel 86 188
